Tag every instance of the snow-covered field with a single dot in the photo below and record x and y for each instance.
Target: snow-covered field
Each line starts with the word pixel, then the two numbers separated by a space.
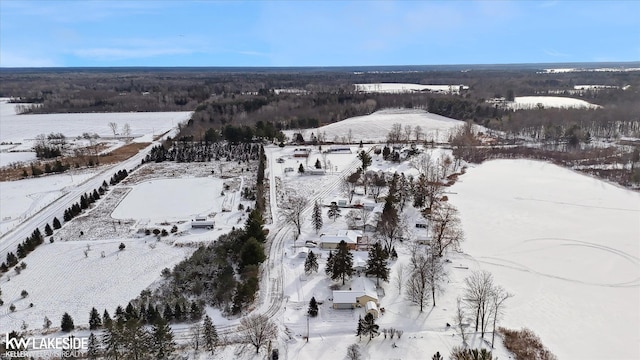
pixel 532 102
pixel 60 278
pixel 376 126
pixel 567 245
pixel 21 199
pixel 24 128
pixel 402 88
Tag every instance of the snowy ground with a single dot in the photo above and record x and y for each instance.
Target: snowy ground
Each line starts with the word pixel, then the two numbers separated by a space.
pixel 375 127
pixel 566 245
pixel 532 102
pixel 60 278
pixel 18 128
pixel 21 199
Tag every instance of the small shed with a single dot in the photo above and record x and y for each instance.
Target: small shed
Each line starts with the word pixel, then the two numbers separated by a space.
pixel 202 222
pixel 372 308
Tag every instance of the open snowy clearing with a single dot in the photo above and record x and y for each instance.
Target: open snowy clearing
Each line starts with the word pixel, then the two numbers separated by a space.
pixel 566 245
pixel 171 198
pixel 402 88
pixel 59 278
pixel 376 127
pixel 18 128
pixel 20 199
pixel 533 102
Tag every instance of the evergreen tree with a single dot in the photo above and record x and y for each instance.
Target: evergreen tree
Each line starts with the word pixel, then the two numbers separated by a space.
pixel 178 313
pixel 316 217
pixel 252 253
pixel 342 263
pixel 48 231
pixel 66 324
pixel 196 311
pixel 84 202
pixel 369 326
pixel 130 312
pixel 360 329
pixel 119 315
pixel 21 251
pixel 365 159
pixel 94 319
pixel 167 315
pixel 318 165
pixel 311 263
pixel 163 344
pixel 106 319
pixel 56 223
pixel 334 211
pixel 313 307
pixel 67 215
pixel 329 267
pixel 151 314
pixel 437 356
pixel 254 226
pixel 301 169
pixel 377 263
pixel 209 334
pixel 112 340
pixel 137 340
pixel 93 350
pixel 96 196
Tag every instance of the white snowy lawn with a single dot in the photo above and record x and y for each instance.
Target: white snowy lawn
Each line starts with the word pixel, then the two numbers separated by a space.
pixel 566 245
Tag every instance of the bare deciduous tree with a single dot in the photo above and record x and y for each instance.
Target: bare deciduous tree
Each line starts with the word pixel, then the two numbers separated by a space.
pixel 195 331
pixel 349 184
pixel 446 229
pixel 417 289
pixel 418 132
pixel 126 131
pixel 353 352
pixel 114 128
pixel 477 296
pixel 291 212
pixel 395 134
pixel 399 278
pixel 460 321
pixel 407 132
pixel 257 330
pixel 498 297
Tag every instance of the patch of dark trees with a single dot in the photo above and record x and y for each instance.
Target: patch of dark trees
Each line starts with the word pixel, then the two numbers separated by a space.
pixel 186 150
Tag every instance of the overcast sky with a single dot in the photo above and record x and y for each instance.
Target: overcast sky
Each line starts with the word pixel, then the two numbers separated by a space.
pixel 322 33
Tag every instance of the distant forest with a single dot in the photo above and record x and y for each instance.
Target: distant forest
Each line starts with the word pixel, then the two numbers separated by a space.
pixel 314 97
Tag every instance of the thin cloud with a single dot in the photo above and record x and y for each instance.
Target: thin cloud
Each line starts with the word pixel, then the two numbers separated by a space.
pixel 108 54
pixel 555 53
pixel 10 59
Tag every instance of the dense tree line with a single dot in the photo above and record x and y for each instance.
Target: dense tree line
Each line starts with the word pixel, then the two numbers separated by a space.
pixel 200 151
